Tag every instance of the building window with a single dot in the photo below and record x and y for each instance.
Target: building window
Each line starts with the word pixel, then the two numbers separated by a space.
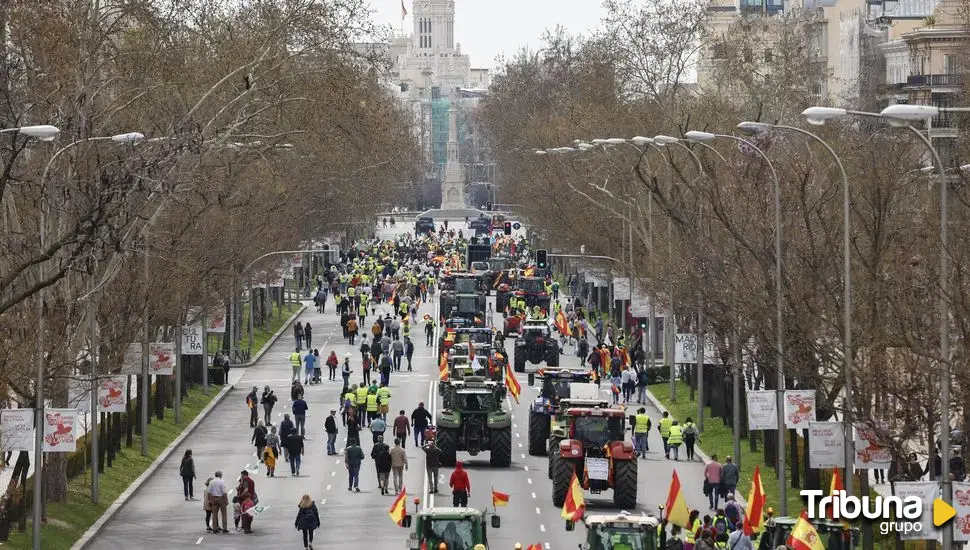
pixel 769 56
pixel 817 88
pixel 949 64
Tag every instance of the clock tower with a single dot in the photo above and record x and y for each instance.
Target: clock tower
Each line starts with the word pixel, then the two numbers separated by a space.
pixel 434 26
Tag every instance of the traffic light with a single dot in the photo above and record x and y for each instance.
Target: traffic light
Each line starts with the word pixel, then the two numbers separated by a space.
pixel 643 324
pixel 541 261
pixel 488 206
pixel 508 228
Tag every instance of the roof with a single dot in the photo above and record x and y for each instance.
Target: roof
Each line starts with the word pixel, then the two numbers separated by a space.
pixel 450 511
pixel 622 517
pixel 594 411
pixel 573 403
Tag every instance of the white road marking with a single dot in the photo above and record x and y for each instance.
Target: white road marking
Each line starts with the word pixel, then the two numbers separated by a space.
pixel 542 528
pixel 329 486
pixel 517 434
pixel 523 456
pixel 514 425
pixel 529 480
pixel 324 501
pixel 547 546
pixel 333 474
pixel 534 495
pixel 199 541
pixel 538 511
pixel 520 445
pixel 526 468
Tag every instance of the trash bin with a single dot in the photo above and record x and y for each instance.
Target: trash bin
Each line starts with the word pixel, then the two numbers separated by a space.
pixel 217 376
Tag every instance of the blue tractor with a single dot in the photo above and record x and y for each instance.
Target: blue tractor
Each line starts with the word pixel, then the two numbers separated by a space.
pixel 557 384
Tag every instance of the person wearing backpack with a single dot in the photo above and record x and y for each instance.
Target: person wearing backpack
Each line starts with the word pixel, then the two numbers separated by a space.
pixel 721 529
pixel 739 540
pixel 732 511
pixel 690 437
pixel 675 437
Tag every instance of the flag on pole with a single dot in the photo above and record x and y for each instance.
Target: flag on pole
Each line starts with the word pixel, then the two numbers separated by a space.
pixel 804 536
pixel 512 383
pixel 562 324
pixel 404 11
pixel 499 499
pixel 676 508
pixel 443 367
pixel 835 486
pixel 399 507
pixel 535 546
pixel 574 506
pixel 754 518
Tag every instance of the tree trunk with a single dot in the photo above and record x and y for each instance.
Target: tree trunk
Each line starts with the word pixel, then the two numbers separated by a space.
pixel 130 419
pixel 55 471
pixel 161 398
pixel 793 437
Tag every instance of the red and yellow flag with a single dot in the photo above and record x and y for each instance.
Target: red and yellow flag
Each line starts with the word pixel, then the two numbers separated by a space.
pixel 499 499
pixel 804 536
pixel 754 518
pixel 574 506
pixel 676 508
pixel 471 351
pixel 535 546
pixel 562 324
pixel 529 272
pixel 835 485
pixel 443 367
pixel 512 383
pixel 399 507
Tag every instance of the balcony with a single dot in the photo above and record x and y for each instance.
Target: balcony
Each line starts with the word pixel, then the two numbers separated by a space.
pixel 934 80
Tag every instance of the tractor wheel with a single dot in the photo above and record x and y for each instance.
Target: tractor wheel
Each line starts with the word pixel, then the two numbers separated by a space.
pixel 447 441
pixel 625 484
pixel 552 357
pixel 538 433
pixel 520 360
pixel 562 476
pixel 553 453
pixel 501 448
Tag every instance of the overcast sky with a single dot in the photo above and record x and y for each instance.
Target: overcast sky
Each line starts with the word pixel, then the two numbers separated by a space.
pixel 487 28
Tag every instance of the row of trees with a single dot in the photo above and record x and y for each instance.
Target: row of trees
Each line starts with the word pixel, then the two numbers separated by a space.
pixel 266 128
pixel 717 255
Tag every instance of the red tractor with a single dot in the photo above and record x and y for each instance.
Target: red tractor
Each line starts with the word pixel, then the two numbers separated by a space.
pixel 595 451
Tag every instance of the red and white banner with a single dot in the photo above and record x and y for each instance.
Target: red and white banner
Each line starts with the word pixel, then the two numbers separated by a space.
pixel 111 394
pixel 131 364
pixel 60 430
pixel 216 322
pixel 870 449
pixel 161 358
pixel 961 503
pixel 297 260
pixel 799 409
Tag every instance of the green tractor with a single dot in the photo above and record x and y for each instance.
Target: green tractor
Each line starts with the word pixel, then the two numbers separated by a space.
pixel 834 535
pixel 619 531
pixel 472 420
pixel 458 528
pixel 557 384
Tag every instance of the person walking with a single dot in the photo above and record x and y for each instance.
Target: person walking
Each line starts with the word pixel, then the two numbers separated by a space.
pixel 353 458
pixel 461 486
pixel 642 380
pixel 269 455
pixel 364 348
pixel 273 442
pixel 300 408
pixel 352 329
pixel 307 520
pixel 712 481
pixel 332 364
pixel 690 437
pixel 399 462
pixel 218 502
pixel 308 335
pixel 330 425
pixel 252 401
pixel 397 349
pixel 298 334
pixel 428 331
pixel 295 363
pixel 384 400
pixel 294 449
pixel 432 462
pixel 402 427
pixel 664 427
pixel 420 420
pixel 259 439
pixel 345 371
pixel 187 472
pixel 365 370
pixel 641 432
pixel 310 363
pixel 408 351
pixel 206 507
pixel 381 454
pixel 268 401
pixel 377 429
pixel 675 438
pixel 286 428
pixel 729 476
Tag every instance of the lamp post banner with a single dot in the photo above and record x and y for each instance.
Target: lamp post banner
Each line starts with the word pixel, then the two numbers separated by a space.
pixel 192 340
pixel 16 430
pixel 762 410
pixel 871 453
pixel 111 394
pixel 161 359
pixel 827 445
pixel 961 503
pixel 799 409
pixel 216 321
pixel 60 430
pixel 927 492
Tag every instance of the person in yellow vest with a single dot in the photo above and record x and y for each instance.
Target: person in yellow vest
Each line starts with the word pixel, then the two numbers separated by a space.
pixel 406 329
pixel 693 525
pixel 403 309
pixel 296 362
pixel 362 312
pixel 384 399
pixel 641 432
pixel 362 405
pixel 373 407
pixel 675 437
pixel 664 427
pixel 350 404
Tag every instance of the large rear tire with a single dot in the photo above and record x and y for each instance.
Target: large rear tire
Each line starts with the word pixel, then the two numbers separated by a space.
pixel 501 449
pixel 447 441
pixel 625 484
pixel 562 476
pixel 519 364
pixel 538 433
pixel 553 453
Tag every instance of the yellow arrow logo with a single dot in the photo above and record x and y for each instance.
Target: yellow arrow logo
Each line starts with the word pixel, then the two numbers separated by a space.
pixel 942 512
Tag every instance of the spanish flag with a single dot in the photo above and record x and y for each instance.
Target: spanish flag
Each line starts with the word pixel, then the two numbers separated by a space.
pixel 499 499
pixel 754 518
pixel 399 507
pixel 443 367
pixel 427 317
pixel 574 506
pixel 471 351
pixel 510 381
pixel 529 272
pixel 835 486
pixel 676 509
pixel 535 546
pixel 562 324
pixel 498 280
pixel 804 536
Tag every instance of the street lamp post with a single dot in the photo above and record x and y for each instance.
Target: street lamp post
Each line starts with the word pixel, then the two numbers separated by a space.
pixel 779 318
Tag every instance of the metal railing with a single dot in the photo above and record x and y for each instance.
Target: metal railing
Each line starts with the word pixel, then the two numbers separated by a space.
pixel 934 80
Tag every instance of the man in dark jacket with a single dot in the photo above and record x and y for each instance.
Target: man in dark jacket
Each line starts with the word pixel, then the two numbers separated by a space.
pixel 330 425
pixel 353 457
pixel 432 461
pixel 252 400
pixel 294 447
pixel 381 454
pixel 286 428
pixel 408 351
pixel 420 420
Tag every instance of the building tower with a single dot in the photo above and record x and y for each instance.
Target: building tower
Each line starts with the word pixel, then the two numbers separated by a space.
pixel 434 26
pixel 453 186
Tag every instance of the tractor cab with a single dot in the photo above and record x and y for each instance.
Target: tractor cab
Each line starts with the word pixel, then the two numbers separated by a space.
pixel 619 532
pixel 458 528
pixel 833 534
pixel 595 427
